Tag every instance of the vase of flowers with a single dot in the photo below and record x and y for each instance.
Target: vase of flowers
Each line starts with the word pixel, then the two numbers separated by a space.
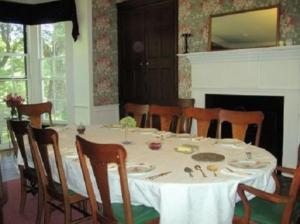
pixel 127 122
pixel 12 101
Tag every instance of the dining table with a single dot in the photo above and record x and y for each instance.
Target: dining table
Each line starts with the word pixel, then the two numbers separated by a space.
pixel 187 179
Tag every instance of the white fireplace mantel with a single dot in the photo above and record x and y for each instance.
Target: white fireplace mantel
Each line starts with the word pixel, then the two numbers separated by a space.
pixel 273 71
pixel 251 54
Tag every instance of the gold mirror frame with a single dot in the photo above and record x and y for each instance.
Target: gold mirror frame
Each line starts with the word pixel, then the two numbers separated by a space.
pixel 248 34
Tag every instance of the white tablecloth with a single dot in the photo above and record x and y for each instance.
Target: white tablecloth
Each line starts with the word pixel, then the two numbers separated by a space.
pixel 176 196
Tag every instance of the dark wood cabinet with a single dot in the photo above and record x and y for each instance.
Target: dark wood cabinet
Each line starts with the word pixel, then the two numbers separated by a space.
pixel 147 45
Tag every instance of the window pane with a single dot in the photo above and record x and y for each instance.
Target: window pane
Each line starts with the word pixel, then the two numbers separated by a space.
pixel 47 68
pixel 54 89
pixel 60 68
pixel 12 67
pixel 53 68
pixel 59 47
pixel 53 39
pixel 60 110
pixel 11 38
pixel 12 70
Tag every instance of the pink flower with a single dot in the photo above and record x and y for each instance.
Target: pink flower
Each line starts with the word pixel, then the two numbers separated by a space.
pixel 13 100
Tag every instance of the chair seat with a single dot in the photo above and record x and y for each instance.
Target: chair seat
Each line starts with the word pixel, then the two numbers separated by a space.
pixel 285 183
pixel 141 214
pixel 262 211
pixel 58 189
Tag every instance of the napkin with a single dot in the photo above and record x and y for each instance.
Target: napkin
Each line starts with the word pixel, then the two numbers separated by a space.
pixel 236 173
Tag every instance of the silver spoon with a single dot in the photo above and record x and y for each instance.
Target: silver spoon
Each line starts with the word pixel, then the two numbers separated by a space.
pixel 198 167
pixel 189 171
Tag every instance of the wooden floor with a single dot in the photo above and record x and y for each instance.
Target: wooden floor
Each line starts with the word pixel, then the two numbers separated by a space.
pixel 9 167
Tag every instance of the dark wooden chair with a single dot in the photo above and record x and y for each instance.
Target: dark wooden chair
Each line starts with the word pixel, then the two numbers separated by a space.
pixel 55 194
pixel 185 123
pixel 28 176
pixel 203 116
pixel 166 115
pixel 139 112
pixel 3 196
pixel 286 181
pixel 240 120
pixel 100 155
pixel 267 207
pixel 34 112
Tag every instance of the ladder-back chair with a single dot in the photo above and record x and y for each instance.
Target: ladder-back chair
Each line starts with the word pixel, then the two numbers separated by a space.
pixel 99 156
pixel 35 112
pixel 240 121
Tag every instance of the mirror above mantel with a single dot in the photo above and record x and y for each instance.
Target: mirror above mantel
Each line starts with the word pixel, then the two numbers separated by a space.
pixel 244 29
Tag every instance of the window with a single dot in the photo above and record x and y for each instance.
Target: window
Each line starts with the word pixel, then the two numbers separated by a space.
pixel 43 54
pixel 53 68
pixel 13 78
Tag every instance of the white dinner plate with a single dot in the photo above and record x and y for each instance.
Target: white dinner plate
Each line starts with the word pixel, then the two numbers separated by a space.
pixel 229 141
pixel 139 169
pixel 248 164
pixel 134 168
pixel 146 130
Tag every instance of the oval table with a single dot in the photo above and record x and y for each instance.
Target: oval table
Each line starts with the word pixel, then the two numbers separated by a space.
pixel 178 197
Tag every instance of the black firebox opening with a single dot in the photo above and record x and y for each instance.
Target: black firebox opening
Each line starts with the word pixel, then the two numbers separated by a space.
pixel 272 128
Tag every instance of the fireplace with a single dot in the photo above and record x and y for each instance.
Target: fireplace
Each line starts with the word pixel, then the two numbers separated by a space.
pixel 259 72
pixel 272 127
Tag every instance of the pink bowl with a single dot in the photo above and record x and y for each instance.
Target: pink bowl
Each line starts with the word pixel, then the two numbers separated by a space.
pixel 154 145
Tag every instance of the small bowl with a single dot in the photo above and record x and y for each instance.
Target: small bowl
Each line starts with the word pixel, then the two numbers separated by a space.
pixel 154 145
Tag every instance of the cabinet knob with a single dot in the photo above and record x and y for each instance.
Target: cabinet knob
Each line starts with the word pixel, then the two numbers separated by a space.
pixel 147 63
pixel 141 64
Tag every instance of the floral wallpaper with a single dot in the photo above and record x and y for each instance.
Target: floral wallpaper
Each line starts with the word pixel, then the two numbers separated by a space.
pixel 193 18
pixel 105 52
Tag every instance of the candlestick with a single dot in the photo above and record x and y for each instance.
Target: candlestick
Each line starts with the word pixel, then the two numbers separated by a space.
pixel 186 47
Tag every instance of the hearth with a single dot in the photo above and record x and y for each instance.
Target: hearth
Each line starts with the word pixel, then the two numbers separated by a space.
pixel 272 107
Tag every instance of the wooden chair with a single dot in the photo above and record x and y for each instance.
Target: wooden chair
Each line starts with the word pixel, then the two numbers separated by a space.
pixel 55 194
pixel 203 116
pixel 139 112
pixel 12 137
pixel 100 155
pixel 28 176
pixel 286 181
pixel 166 115
pixel 3 197
pixel 185 123
pixel 34 112
pixel 240 120
pixel 268 207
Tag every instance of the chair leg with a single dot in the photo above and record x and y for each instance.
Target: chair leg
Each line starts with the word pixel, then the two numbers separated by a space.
pixel 23 192
pixel 40 209
pixel 68 214
pixel 47 212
